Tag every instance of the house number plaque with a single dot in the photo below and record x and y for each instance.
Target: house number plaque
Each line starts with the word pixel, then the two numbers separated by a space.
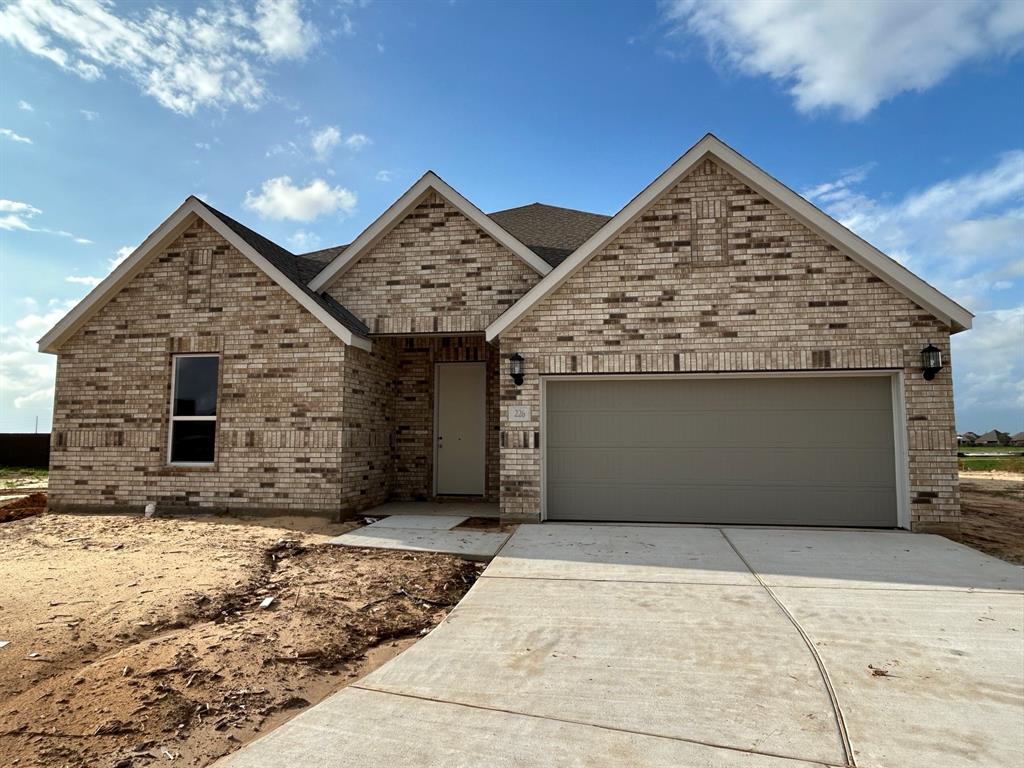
pixel 519 413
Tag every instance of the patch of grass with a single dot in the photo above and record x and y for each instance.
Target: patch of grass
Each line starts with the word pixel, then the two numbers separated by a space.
pixel 1008 464
pixel 16 477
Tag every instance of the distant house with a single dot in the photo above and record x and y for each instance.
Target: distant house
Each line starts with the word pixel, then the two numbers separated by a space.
pixel 1017 439
pixel 993 437
pixel 967 438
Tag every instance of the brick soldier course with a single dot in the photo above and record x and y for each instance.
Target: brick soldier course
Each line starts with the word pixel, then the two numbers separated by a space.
pixel 326 397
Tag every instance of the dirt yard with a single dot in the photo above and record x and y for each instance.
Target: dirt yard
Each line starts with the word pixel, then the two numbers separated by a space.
pixel 135 642
pixel 992 509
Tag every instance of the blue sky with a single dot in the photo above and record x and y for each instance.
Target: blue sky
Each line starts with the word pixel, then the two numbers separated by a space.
pixel 306 120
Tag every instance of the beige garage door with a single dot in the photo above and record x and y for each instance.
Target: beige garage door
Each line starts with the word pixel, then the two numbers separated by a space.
pixel 783 451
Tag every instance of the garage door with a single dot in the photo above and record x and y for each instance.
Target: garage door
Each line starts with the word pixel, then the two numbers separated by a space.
pixel 784 451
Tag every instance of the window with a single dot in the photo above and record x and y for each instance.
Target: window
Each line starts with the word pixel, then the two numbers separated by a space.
pixel 193 409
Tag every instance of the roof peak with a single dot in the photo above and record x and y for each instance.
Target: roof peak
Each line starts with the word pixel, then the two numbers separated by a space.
pixel 548 205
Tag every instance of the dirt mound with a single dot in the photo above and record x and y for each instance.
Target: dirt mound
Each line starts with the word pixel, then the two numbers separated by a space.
pixel 213 669
pixel 992 516
pixel 26 506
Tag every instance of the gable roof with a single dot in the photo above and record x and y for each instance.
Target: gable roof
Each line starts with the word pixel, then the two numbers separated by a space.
pixel 551 232
pixel 291 267
pixel 281 266
pixel 872 259
pixel 992 434
pixel 388 220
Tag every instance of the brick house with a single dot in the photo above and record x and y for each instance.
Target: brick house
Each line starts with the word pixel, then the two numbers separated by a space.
pixel 717 351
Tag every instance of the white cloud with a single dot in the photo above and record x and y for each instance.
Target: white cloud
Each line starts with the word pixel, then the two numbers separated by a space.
pixel 357 141
pixel 13 206
pixel 325 140
pixel 291 148
pixel 849 54
pixel 211 58
pixel 964 234
pixel 202 145
pixel 14 136
pixel 280 199
pixel 92 280
pixel 122 253
pixel 385 175
pixel 15 215
pixel 44 395
pixel 88 114
pixel 988 362
pixel 26 376
pixel 25 106
pixel 285 35
pixel 303 241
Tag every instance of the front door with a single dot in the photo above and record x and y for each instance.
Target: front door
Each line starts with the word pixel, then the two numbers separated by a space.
pixel 460 428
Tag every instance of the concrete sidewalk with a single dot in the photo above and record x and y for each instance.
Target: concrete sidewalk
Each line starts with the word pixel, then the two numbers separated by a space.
pixel 674 646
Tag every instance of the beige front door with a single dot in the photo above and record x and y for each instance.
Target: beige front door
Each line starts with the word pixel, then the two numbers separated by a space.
pixel 459 428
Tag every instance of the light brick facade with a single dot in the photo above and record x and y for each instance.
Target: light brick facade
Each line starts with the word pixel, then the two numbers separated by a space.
pixel 280 401
pixel 436 272
pixel 711 278
pixel 714 278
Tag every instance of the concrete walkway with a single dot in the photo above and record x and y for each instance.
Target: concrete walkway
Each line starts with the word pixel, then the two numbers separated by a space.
pixel 426 533
pixel 697 647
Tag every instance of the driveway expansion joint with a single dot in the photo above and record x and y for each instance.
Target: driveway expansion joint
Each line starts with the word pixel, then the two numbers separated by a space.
pixel 569 721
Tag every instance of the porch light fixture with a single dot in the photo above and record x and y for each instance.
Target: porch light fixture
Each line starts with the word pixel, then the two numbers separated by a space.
pixel 931 361
pixel 517 367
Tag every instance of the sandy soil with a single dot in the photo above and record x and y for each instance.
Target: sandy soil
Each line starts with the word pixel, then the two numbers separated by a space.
pixel 139 642
pixel 992 513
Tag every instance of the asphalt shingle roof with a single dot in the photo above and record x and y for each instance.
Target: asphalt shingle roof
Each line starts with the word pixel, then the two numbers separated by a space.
pixel 551 232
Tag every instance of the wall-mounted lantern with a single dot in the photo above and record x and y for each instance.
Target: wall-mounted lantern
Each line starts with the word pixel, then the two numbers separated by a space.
pixel 517 367
pixel 931 361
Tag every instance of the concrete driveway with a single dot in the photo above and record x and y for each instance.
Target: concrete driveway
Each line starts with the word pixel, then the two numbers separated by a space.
pixel 696 647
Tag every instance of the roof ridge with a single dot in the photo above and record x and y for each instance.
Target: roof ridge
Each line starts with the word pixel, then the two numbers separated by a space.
pixel 548 205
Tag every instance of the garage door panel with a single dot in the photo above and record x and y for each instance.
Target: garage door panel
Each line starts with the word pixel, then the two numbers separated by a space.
pixel 719 504
pixel 752 394
pixel 786 465
pixel 722 428
pixel 786 451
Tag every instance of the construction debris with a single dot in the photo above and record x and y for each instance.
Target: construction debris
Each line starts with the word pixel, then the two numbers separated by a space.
pixel 166 651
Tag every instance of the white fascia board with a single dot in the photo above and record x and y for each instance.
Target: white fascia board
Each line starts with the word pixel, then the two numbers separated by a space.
pixel 164 235
pixel 896 275
pixel 401 208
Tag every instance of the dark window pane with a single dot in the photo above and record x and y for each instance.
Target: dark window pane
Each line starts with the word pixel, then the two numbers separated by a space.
pixel 195 388
pixel 192 440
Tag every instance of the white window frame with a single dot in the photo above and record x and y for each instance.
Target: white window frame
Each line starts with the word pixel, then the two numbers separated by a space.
pixel 173 418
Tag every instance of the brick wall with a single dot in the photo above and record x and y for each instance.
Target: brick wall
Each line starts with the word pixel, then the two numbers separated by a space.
pixel 712 277
pixel 368 422
pixel 414 410
pixel 435 272
pixel 280 427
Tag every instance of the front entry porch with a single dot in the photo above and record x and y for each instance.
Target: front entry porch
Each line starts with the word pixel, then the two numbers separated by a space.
pixel 444 418
pixel 467 508
pixel 468 529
